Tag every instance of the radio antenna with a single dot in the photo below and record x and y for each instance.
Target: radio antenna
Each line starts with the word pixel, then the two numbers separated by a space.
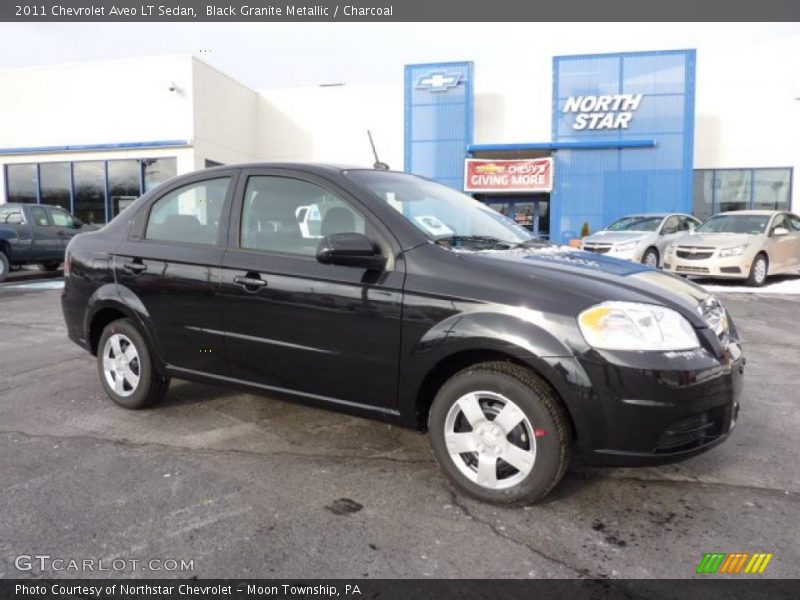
pixel 378 166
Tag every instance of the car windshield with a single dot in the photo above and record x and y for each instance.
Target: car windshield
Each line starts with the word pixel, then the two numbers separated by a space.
pixel 752 224
pixel 636 224
pixel 443 214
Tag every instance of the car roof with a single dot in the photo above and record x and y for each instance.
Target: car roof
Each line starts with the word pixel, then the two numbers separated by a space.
pixel 648 215
pixel 759 213
pixel 313 167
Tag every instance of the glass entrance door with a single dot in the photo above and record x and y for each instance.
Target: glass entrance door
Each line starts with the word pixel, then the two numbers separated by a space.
pixel 533 213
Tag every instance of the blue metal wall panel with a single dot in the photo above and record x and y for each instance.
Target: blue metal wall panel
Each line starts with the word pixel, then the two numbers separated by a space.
pixel 438 120
pixel 598 186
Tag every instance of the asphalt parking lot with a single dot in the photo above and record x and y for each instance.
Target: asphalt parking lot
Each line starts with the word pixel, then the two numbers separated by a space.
pixel 246 486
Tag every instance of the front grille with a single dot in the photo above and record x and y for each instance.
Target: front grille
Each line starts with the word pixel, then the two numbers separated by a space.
pixel 693 431
pixel 694 252
pixel 597 248
pixel 691 269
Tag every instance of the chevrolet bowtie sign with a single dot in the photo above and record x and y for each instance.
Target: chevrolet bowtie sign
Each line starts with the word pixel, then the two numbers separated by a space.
pixel 438 82
pixel 517 175
pixel 602 112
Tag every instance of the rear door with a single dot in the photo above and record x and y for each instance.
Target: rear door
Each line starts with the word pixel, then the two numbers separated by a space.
pixel 13 220
pixel 170 265
pixel 65 224
pixel 326 332
pixel 47 244
pixel 794 220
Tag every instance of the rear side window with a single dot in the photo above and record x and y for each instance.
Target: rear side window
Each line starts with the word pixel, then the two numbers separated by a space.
pixel 11 215
pixel 190 214
pixel 39 216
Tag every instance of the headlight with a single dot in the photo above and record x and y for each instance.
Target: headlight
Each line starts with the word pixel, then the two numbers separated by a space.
pixel 626 247
pixel 671 249
pixel 715 315
pixel 634 326
pixel 733 250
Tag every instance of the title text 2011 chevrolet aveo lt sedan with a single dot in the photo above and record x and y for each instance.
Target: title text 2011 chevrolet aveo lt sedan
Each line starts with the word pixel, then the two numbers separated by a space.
pixel 411 303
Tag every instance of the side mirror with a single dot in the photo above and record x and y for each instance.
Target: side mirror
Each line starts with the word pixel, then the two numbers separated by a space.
pixel 350 250
pixel 778 231
pixel 692 226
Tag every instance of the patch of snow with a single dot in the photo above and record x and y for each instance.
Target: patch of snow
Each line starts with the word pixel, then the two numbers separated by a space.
pixel 784 284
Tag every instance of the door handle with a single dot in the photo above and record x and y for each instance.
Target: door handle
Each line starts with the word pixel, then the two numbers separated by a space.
pixel 134 267
pixel 247 281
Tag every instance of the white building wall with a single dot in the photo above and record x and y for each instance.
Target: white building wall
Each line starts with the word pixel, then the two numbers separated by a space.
pixel 329 124
pixel 748 109
pixel 224 118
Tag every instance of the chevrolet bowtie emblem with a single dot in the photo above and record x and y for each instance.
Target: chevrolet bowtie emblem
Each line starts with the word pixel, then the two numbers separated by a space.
pixel 439 81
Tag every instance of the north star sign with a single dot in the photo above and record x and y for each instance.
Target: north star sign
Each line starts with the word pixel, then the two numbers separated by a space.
pixel 602 112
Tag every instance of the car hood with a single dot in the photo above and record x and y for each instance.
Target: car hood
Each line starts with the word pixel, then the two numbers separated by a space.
pixel 585 278
pixel 717 240
pixel 617 237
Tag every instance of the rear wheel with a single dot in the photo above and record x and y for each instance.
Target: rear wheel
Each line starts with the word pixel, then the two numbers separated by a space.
pixel 500 433
pixel 126 368
pixel 650 258
pixel 758 271
pixel 5 266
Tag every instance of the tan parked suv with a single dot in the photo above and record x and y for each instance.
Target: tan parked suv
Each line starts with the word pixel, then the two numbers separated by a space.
pixel 745 244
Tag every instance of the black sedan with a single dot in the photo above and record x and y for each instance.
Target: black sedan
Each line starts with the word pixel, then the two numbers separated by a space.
pixel 403 300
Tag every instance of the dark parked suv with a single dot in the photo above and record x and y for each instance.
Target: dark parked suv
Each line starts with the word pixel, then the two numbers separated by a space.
pixel 411 303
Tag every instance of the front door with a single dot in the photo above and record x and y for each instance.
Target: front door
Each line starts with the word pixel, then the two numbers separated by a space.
pixel 47 239
pixel 292 324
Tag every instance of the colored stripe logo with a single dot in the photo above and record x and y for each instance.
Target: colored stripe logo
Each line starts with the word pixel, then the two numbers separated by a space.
pixel 734 563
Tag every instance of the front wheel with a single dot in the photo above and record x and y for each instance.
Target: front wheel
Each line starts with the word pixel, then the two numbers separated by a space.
pixel 5 266
pixel 650 258
pixel 758 271
pixel 500 433
pixel 126 368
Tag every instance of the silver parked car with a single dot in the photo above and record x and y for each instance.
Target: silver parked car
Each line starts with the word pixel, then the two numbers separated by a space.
pixel 640 238
pixel 745 244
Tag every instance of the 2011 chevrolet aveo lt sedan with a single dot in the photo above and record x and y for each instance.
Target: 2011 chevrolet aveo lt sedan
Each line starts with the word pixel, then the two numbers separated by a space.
pixel 411 303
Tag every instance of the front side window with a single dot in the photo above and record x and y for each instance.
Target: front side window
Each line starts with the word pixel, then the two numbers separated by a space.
pixel 441 213
pixel 61 218
pixel 189 214
pixel 290 216
pixel 672 225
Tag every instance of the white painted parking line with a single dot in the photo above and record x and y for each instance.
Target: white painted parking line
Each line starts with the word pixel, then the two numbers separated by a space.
pixel 782 285
pixel 55 284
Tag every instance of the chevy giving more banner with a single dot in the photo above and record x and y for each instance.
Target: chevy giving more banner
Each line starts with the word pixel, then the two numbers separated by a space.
pixel 517 175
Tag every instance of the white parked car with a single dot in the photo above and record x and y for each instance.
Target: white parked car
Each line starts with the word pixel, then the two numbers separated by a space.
pixel 641 238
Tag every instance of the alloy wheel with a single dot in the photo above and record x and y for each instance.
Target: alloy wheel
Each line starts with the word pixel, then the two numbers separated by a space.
pixel 121 366
pixel 490 440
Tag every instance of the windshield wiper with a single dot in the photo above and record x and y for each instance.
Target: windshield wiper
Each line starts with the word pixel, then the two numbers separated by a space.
pixel 488 240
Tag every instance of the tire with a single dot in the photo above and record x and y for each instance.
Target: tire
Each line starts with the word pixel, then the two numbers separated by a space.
pixel 650 257
pixel 758 270
pixel 5 266
pixel 51 266
pixel 541 424
pixel 116 339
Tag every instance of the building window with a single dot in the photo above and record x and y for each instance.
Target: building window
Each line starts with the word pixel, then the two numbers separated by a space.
pixel 720 190
pixel 90 191
pixel 158 170
pixel 22 183
pixel 55 183
pixel 94 191
pixel 124 184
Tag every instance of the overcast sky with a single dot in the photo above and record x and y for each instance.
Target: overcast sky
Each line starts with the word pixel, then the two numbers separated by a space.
pixel 271 55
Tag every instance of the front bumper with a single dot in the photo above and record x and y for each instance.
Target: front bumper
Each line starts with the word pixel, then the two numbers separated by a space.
pixel 730 267
pixel 654 408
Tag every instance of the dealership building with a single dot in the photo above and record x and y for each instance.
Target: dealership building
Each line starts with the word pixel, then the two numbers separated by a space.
pixel 554 142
